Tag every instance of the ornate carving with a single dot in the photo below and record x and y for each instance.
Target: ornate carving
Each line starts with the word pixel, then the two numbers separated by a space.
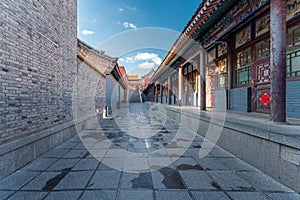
pixel 292 9
pixel 231 20
pixel 262 25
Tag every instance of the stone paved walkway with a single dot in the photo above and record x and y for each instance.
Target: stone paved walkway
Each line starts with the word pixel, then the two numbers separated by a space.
pixel 139 154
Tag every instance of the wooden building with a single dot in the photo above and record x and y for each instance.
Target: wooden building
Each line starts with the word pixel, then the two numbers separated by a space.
pixel 235 55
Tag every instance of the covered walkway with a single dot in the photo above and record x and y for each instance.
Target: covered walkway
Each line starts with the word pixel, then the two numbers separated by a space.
pixel 139 153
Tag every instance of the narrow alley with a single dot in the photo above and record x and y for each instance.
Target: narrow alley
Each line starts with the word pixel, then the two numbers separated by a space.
pixel 133 155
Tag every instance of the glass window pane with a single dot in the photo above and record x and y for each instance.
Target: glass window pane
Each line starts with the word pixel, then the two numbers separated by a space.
pixel 296 64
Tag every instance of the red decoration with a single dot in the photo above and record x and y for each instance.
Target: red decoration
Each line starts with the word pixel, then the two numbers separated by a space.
pixel 265 99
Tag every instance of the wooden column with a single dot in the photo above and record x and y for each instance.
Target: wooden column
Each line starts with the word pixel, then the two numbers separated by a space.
pixel 230 48
pixel 155 92
pixel 180 85
pixel 169 90
pixel 202 79
pixel 161 92
pixel 278 60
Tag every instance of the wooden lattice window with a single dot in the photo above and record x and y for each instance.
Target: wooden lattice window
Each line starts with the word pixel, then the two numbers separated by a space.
pixel 243 68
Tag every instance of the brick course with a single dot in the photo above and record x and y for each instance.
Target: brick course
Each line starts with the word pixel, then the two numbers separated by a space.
pixel 293 99
pixel 37 64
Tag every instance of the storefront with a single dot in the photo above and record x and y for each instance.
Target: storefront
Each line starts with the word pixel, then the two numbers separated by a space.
pixel 236 36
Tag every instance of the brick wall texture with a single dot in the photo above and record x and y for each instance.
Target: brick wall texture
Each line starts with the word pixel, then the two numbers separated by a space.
pixel 38 45
pixel 239 99
pixel 293 99
pixel 221 99
pixel 89 97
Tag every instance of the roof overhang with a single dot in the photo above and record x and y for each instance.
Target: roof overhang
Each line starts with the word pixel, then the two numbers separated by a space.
pixel 205 17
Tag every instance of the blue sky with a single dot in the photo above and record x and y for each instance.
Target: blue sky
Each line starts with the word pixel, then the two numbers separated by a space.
pixel 100 20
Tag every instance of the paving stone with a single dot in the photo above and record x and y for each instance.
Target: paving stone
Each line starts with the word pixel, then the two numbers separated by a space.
pixel 213 195
pixel 55 153
pixel 167 178
pixel 75 139
pixel 17 180
pixel 100 194
pixel 63 195
pixel 99 154
pixel 136 164
pixel 218 152
pixel 105 180
pixel 285 196
pixel 136 180
pixel 237 164
pixel 80 146
pixel 172 194
pixel 197 180
pixel 62 164
pixel 136 195
pixel 67 145
pixel 195 153
pixel 102 145
pixel 40 181
pixel 156 163
pixel 264 182
pixel 184 161
pixel 115 153
pixel 247 196
pixel 28 195
pixel 74 180
pixel 177 152
pixel 86 164
pixel 212 163
pixel 40 164
pixel 230 180
pixel 217 176
pixel 74 153
pixel 109 163
pixel 5 193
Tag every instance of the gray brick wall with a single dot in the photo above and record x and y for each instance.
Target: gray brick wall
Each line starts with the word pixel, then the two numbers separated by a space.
pixel 38 44
pixel 112 91
pixel 90 91
pixel 220 99
pixel 293 99
pixel 239 99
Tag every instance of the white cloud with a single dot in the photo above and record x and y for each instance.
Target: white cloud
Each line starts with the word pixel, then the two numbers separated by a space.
pixel 147 60
pixel 157 60
pixel 149 56
pixel 87 32
pixel 129 25
pixel 122 60
pixel 129 59
pixel 146 65
pixel 121 9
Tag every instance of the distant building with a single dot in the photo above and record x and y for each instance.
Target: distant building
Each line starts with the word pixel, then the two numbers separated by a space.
pixel 134 81
pixel 124 77
pixel 147 77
